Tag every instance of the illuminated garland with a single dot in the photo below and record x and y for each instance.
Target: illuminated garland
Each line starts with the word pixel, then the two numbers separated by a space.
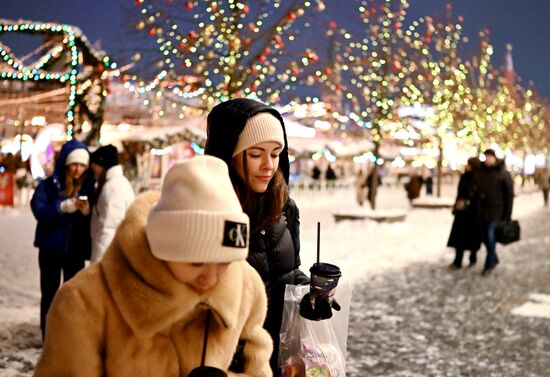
pixel 78 83
pixel 197 141
pixel 375 67
pixel 235 49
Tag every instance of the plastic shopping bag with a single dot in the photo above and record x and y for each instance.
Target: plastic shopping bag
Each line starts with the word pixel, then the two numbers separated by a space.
pixel 313 348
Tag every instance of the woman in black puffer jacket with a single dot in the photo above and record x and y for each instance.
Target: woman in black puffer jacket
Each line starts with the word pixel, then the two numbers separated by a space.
pixel 251 138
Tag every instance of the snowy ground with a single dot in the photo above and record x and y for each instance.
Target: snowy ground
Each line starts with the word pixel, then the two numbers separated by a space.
pixel 382 261
pixel 427 320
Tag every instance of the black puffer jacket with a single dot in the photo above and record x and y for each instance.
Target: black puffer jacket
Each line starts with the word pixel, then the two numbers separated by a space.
pixel 494 192
pixel 275 254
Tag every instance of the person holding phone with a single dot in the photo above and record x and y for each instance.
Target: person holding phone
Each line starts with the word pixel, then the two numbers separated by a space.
pixel 61 207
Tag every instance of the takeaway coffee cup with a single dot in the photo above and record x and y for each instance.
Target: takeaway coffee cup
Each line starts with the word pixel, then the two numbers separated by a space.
pixel 324 279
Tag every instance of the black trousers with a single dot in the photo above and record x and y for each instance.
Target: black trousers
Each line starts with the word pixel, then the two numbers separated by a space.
pixel 459 254
pixel 54 264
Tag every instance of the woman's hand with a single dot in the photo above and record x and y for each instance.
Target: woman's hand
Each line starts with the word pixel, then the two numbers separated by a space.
pixel 83 205
pixel 68 205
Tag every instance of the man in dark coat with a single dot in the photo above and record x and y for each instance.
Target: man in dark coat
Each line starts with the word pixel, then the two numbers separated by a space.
pixel 494 193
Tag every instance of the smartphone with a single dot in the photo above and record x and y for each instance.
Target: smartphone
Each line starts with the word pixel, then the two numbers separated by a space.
pixel 82 198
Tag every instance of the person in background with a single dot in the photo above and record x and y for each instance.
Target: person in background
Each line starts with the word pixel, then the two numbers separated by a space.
pixel 316 177
pixel 372 191
pixel 330 178
pixel 61 207
pixel 24 181
pixel 360 182
pixel 316 173
pixel 494 194
pixel 251 138
pixel 175 270
pixel 113 196
pixel 330 174
pixel 465 233
pixel 429 181
pixel 543 180
pixel 414 186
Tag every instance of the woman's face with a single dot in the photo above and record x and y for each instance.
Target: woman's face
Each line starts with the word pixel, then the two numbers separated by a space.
pixel 97 169
pixel 75 170
pixel 262 161
pixel 200 277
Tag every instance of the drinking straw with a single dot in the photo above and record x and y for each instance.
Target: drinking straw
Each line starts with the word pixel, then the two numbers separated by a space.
pixel 318 241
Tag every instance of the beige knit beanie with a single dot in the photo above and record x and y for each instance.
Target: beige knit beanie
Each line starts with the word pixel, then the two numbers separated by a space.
pixel 78 156
pixel 260 128
pixel 198 218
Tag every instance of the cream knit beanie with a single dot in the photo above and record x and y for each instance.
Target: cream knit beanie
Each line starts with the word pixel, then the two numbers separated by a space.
pixel 260 128
pixel 198 218
pixel 78 156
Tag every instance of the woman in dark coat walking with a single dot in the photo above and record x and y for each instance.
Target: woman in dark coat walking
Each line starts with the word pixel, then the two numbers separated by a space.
pixel 251 138
pixel 465 233
pixel 62 210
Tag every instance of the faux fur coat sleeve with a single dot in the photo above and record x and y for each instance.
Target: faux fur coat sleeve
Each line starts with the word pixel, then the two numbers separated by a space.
pixel 74 349
pixel 258 344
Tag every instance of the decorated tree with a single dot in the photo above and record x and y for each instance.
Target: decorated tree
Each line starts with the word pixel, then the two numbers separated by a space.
pixel 439 81
pixel 503 111
pixel 523 127
pixel 477 114
pixel 376 65
pixel 230 48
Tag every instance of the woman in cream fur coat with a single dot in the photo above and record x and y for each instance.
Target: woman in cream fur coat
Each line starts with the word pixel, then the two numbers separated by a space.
pixel 141 310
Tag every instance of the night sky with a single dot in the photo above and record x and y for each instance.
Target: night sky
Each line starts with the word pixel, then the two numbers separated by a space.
pixel 525 24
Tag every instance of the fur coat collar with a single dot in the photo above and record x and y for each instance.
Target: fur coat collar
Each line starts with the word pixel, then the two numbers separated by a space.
pixel 145 291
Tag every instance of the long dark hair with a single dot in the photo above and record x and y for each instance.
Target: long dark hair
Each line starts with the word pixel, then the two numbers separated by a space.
pixel 100 182
pixel 72 186
pixel 263 209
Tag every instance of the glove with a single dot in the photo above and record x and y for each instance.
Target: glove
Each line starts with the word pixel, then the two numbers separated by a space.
pixel 68 206
pixel 321 309
pixel 207 372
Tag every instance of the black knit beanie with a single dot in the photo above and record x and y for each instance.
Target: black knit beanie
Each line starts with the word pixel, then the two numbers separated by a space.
pixel 106 156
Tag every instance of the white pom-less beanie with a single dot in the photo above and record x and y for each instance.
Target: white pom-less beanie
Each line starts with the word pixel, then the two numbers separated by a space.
pixel 260 128
pixel 198 218
pixel 78 156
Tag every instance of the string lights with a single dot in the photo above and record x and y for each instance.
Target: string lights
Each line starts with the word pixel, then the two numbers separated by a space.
pixel 63 64
pixel 233 47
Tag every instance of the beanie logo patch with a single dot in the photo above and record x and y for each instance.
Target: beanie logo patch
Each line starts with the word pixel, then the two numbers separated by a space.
pixel 235 234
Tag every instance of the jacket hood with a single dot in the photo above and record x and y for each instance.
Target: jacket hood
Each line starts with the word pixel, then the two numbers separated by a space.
pixel 67 148
pixel 227 120
pixel 147 295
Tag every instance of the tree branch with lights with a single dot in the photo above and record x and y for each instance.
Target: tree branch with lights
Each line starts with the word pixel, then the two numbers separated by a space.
pixel 439 81
pixel 234 47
